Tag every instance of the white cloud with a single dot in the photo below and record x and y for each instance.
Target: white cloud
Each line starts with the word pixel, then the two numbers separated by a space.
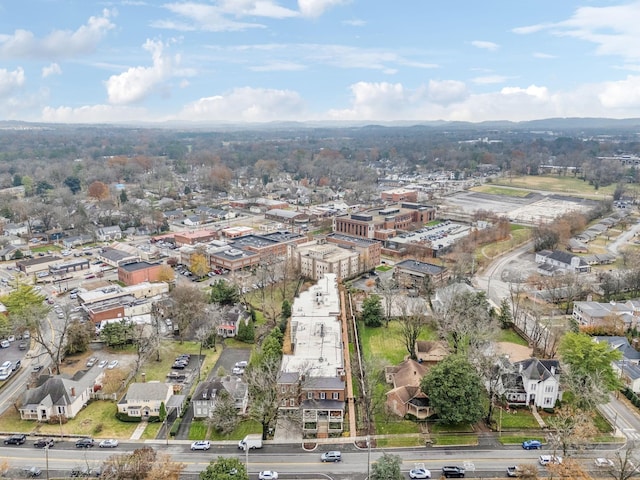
pixel 315 8
pixel 446 92
pixel 138 82
pixel 278 67
pixel 198 16
pixel 257 8
pixel 247 105
pixel 52 69
pixel 59 43
pixel 622 94
pixel 613 29
pixel 11 81
pixel 93 114
pixel 492 47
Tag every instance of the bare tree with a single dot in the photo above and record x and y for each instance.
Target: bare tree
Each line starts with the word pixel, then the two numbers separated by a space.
pixel 187 308
pixel 262 380
pixel 571 428
pixel 388 290
pixel 412 320
pixel 371 375
pixel 224 417
pixel 624 465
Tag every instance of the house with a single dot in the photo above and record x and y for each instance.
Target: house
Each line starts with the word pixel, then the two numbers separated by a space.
pixel 596 313
pixel 628 367
pixel 231 322
pixel 56 396
pixel 16 229
pixel 406 397
pixel 206 396
pixel 143 400
pixel 534 382
pixel 431 352
pixel 115 256
pixel 558 262
pixel 577 246
pixel 109 234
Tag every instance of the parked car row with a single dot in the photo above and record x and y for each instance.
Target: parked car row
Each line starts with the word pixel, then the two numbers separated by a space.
pixel 182 361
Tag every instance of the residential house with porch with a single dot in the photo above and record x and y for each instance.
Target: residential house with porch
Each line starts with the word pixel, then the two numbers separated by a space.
pixel 533 382
pixel 312 377
pixel 143 400
pixel 406 397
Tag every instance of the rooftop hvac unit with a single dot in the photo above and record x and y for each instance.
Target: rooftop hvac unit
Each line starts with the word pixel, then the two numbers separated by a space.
pixel 234 252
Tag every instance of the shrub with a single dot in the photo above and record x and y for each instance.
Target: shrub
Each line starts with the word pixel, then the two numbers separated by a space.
pixel 98 428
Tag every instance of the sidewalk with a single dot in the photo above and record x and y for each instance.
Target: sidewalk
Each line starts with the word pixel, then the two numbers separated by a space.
pixel 137 433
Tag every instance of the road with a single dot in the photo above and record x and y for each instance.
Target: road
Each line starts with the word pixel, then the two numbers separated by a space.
pixel 290 461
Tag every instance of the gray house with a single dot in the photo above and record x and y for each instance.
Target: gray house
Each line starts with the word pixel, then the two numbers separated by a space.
pixel 207 394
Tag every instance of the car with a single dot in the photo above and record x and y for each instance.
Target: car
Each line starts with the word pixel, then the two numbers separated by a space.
pixel 332 456
pixel 108 443
pixel 11 338
pixel 44 442
pixel 201 445
pixel 102 364
pixel 452 471
pixel 268 475
pixel 547 459
pixel 6 364
pixel 26 335
pixel 85 471
pixel 603 462
pixel 514 471
pixel 31 471
pixel 242 364
pixel 91 362
pixel 5 344
pixel 179 365
pixel 112 364
pixel 17 439
pixel 237 371
pixel 419 473
pixel 22 345
pixel 531 444
pixel 36 368
pixel 85 443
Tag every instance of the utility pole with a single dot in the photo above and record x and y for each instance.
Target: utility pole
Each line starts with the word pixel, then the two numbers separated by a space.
pixel 368 456
pixel 46 456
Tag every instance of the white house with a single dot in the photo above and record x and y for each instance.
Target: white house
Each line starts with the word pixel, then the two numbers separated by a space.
pixel 57 396
pixel 143 399
pixel 558 262
pixel 534 382
pixel 108 234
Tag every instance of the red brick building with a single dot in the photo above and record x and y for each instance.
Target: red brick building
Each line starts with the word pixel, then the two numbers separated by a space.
pixel 399 195
pixel 138 272
pixel 191 238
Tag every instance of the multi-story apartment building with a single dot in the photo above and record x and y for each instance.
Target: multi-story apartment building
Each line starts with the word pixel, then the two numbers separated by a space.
pixel 312 375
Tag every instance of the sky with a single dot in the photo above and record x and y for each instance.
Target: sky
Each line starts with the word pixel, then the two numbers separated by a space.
pixel 231 61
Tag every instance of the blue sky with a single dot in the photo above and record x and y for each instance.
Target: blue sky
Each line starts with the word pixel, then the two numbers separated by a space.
pixel 85 61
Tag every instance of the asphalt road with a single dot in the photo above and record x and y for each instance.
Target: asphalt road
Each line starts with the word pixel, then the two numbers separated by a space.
pixel 291 461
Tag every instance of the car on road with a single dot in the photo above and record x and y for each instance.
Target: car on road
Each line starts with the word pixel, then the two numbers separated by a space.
pixel 102 364
pixel 603 462
pixel 237 371
pixel 332 456
pixel 531 444
pixel 514 471
pixel 36 368
pixel 419 473
pixel 91 362
pixel 85 471
pixel 452 471
pixel 112 364
pixel 44 443
pixel 31 472
pixel 22 345
pixel 5 343
pixel 547 459
pixel 108 443
pixel 17 439
pixel 11 338
pixel 268 475
pixel 201 445
pixel 85 443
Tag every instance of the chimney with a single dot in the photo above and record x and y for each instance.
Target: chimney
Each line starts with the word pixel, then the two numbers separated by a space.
pixel 73 391
pixel 144 377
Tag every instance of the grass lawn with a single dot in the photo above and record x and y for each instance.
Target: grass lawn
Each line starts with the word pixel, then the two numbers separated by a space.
pixel 383 268
pixel 494 190
pixel 11 422
pixel 151 432
pixel 516 419
pixel 385 343
pixel 386 425
pixel 441 428
pixel 512 337
pixel 566 185
pixel 97 419
pixel 398 442
pixel 518 236
pixel 452 439
pixel 198 431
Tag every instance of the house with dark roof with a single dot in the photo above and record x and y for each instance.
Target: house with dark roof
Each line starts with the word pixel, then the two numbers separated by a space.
pixel 108 234
pixel 534 382
pixel 56 396
pixel 558 262
pixel 207 394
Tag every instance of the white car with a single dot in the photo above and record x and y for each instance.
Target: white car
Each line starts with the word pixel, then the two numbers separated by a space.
pixel 108 443
pixel 603 462
pixel 419 473
pixel 102 364
pixel 547 459
pixel 268 475
pixel 11 338
pixel 5 344
pixel 201 445
pixel 112 364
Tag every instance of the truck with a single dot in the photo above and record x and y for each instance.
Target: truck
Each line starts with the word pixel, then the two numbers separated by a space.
pixel 251 441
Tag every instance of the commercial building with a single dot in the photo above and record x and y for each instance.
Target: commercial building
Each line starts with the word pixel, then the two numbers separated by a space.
pixel 399 195
pixel 138 272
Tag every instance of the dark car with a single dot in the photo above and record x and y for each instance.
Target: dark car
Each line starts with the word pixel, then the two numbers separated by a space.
pixel 44 442
pixel 85 443
pixel 531 444
pixel 17 439
pixel 453 472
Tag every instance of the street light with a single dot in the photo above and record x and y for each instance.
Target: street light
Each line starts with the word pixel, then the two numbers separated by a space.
pixel 46 456
pixel 368 456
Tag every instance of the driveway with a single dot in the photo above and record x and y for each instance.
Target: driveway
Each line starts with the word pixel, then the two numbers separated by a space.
pixel 226 361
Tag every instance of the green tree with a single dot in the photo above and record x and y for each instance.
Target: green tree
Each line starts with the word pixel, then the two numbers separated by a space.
pixel 246 331
pixel 387 468
pixel 588 370
pixel 162 412
pixel 455 391
pixel 372 314
pixel 224 293
pixel 123 197
pixel 286 310
pixel 79 336
pixel 73 183
pixel 117 334
pixel 504 317
pixel 225 469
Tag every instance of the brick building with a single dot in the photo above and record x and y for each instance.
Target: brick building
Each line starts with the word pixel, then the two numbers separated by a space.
pixel 138 272
pixel 399 195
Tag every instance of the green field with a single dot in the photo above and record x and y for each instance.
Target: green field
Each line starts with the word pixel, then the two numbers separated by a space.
pixel 564 185
pixel 385 343
pixel 494 190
